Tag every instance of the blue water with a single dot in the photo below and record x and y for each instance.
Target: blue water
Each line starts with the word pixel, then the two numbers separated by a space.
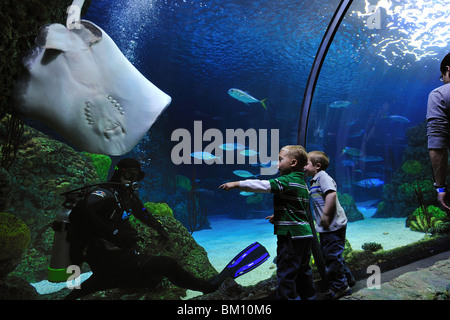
pixel 197 50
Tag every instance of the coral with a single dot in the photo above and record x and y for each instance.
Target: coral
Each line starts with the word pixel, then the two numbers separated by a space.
pixel 159 209
pixel 371 246
pixel 423 224
pixel 431 210
pixel 101 163
pixel 412 167
pixel 428 219
pixel 14 236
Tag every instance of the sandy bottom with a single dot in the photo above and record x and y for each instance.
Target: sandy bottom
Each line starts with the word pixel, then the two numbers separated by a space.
pixel 229 236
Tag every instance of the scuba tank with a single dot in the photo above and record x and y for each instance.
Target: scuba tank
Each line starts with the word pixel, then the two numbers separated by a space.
pixel 60 260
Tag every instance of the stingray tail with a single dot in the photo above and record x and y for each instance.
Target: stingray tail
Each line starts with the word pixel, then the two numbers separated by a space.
pixel 263 103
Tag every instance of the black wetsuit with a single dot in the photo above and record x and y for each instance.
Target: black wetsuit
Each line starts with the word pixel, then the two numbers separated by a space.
pixel 101 235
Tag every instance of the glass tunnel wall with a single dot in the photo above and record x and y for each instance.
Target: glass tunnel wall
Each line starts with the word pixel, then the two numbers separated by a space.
pixel 367 112
pixel 370 101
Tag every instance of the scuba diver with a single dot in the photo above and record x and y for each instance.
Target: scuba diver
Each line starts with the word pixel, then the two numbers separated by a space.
pixel 101 235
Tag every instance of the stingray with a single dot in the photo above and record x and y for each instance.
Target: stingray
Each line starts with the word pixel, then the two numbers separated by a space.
pixel 80 84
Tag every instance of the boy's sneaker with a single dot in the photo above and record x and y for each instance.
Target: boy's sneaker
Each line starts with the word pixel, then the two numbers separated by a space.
pixel 345 291
pixel 351 282
pixel 335 295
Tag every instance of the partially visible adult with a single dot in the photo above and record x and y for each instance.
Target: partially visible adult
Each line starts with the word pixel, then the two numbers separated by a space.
pixel 438 131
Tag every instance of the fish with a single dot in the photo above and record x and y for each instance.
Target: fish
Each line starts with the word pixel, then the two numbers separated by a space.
pixel 348 163
pixel 244 174
pixel 246 193
pixel 266 165
pixel 262 165
pixel 400 119
pixel 204 155
pixel 231 146
pixel 245 97
pixel 370 183
pixel 79 83
pixel 371 159
pixel 341 104
pixel 248 152
pixel 352 151
pixel 357 133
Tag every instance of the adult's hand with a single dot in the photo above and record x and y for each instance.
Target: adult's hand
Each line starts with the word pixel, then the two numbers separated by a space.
pixel 441 198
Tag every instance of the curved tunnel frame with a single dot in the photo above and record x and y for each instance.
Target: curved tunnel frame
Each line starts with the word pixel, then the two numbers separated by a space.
pixel 317 66
pixel 306 106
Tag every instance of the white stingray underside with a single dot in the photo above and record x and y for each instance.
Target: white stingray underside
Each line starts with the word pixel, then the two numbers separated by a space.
pixel 81 85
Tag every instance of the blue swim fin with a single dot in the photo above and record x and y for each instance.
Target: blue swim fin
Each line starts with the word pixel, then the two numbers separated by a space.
pixel 247 260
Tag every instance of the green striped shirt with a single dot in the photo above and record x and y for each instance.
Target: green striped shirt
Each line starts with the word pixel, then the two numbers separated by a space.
pixel 290 202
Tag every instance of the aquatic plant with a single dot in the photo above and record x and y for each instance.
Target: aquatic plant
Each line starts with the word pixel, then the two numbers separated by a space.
pixel 371 246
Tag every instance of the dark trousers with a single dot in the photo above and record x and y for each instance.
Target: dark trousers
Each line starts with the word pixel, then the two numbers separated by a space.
pixel 294 274
pixel 336 270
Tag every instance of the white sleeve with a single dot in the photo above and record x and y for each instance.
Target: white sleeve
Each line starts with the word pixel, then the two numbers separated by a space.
pixel 255 186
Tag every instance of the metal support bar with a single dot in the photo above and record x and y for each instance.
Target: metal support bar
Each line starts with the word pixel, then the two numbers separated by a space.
pixel 317 65
pixel 306 105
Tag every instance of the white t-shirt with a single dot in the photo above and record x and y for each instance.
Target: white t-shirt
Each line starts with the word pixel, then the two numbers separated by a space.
pixel 320 185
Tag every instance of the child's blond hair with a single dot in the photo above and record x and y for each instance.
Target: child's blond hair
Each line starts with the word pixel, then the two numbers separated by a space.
pixel 297 152
pixel 319 157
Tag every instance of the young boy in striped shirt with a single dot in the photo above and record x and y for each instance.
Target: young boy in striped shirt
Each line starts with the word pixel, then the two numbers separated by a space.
pixel 294 234
pixel 331 224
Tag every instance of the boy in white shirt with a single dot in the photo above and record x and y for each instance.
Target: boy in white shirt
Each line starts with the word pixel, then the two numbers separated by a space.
pixel 331 224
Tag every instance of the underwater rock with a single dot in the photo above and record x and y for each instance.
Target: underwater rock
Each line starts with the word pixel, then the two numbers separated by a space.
pixel 101 163
pixel 230 290
pixel 42 170
pixel 181 246
pixel 14 239
pixel 16 288
pixel 348 204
